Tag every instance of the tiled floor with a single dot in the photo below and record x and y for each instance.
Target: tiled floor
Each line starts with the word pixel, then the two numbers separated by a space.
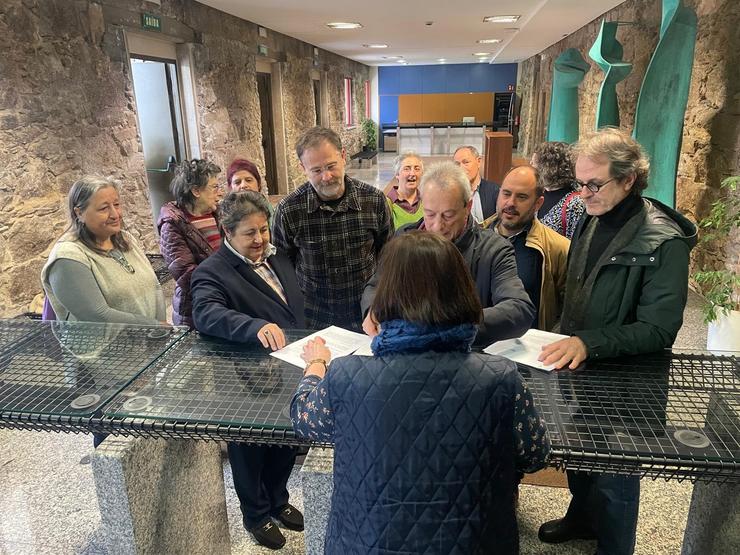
pixel 48 503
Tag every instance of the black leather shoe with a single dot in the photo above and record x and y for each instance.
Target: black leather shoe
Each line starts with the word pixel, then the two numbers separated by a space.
pixel 290 517
pixel 564 530
pixel 268 534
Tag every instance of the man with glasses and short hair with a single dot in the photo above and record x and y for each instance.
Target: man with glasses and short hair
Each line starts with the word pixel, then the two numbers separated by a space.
pixel 333 228
pixel 484 192
pixel 625 293
pixel 447 200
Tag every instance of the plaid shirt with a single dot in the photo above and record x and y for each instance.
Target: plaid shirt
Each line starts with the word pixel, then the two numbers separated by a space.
pixel 334 248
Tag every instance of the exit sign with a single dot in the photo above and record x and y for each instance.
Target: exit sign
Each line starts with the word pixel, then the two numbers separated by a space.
pixel 262 49
pixel 151 22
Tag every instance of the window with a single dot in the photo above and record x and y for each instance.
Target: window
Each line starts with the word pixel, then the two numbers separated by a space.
pixel 349 118
pixel 367 99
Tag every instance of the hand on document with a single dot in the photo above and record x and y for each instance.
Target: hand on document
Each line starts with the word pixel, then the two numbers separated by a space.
pixel 559 354
pixel 529 349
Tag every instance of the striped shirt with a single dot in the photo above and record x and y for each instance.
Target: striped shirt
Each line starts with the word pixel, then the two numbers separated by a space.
pixel 208 228
pixel 263 269
pixel 334 247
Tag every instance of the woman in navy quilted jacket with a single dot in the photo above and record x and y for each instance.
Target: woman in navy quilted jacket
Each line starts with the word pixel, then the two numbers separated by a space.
pixel 428 436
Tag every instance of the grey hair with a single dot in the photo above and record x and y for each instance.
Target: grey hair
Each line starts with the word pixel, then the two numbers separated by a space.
pixel 398 162
pixel 238 205
pixel 471 148
pixel 623 153
pixel 315 137
pixel 79 198
pixel 191 175
pixel 446 175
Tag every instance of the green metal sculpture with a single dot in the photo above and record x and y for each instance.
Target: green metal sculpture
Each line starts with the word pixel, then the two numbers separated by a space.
pixel 569 70
pixel 607 52
pixel 663 97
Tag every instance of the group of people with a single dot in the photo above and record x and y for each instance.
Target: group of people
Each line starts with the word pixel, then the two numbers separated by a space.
pixel 429 435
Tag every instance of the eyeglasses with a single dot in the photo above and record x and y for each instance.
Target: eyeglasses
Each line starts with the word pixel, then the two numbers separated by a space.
pixel 593 187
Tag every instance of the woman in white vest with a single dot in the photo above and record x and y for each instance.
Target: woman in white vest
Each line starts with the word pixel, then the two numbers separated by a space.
pixel 96 271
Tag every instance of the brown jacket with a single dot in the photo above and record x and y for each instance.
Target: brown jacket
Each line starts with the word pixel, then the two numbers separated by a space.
pixel 554 250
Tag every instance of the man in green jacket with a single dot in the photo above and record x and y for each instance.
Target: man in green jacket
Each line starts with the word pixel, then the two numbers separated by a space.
pixel 626 289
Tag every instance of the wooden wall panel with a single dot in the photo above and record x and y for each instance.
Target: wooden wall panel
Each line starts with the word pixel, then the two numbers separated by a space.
pixel 433 108
pixel 444 108
pixel 479 105
pixel 409 108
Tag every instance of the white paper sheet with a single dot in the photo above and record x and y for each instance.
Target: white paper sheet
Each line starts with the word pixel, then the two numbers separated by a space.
pixel 526 349
pixel 341 343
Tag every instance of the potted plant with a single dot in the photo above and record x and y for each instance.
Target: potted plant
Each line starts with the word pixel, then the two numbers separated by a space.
pixel 721 288
pixel 369 134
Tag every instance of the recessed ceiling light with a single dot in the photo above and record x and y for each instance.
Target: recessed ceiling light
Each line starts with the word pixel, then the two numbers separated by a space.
pixel 375 45
pixel 343 25
pixel 482 54
pixel 488 41
pixel 402 61
pixel 501 19
pixel 441 59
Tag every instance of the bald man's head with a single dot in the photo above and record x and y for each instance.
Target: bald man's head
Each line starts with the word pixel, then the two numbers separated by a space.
pixel 520 197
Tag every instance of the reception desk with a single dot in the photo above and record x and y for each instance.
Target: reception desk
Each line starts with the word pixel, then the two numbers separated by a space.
pixel 440 139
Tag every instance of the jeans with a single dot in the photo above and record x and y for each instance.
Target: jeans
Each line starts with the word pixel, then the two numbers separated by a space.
pixel 609 503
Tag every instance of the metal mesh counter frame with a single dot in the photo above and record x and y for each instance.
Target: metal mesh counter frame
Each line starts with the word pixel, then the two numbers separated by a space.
pixel 671 415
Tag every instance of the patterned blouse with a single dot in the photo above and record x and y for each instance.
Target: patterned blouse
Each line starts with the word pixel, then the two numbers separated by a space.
pixel 313 418
pixel 574 209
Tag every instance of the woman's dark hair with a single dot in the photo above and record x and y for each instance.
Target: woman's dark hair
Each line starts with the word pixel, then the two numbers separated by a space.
pixel 424 279
pixel 79 197
pixel 191 175
pixel 238 205
pixel 554 162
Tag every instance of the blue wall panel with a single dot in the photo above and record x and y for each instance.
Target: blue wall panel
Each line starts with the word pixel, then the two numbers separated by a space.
pixel 458 78
pixel 449 78
pixel 411 80
pixel 433 79
pixel 504 76
pixel 389 80
pixel 389 109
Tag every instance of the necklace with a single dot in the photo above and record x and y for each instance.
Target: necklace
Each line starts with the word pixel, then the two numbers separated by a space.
pixel 118 256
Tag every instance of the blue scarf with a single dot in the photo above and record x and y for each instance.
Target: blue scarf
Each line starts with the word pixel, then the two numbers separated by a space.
pixel 400 336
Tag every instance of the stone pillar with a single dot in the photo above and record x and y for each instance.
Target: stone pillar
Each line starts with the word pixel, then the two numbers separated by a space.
pixel 713 524
pixel 317 478
pixel 161 496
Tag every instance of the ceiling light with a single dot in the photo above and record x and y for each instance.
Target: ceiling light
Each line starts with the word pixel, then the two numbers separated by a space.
pixel 501 19
pixel 402 61
pixel 479 54
pixel 441 59
pixel 375 45
pixel 488 41
pixel 343 25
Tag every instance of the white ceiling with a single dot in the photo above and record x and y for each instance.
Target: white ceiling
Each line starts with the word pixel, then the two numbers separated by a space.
pixel 401 24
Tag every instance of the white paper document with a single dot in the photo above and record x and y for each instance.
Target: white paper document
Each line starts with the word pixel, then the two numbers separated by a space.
pixel 526 349
pixel 341 343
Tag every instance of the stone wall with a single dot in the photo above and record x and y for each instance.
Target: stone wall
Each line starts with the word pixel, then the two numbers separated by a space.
pixel 67 108
pixel 710 148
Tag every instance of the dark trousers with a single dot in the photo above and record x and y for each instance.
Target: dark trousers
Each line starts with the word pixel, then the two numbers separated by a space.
pixel 260 478
pixel 609 503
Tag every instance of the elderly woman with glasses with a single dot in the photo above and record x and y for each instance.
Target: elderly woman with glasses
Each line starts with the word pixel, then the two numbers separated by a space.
pixel 188 229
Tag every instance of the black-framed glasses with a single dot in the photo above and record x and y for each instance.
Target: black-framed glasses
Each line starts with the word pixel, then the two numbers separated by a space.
pixel 592 186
